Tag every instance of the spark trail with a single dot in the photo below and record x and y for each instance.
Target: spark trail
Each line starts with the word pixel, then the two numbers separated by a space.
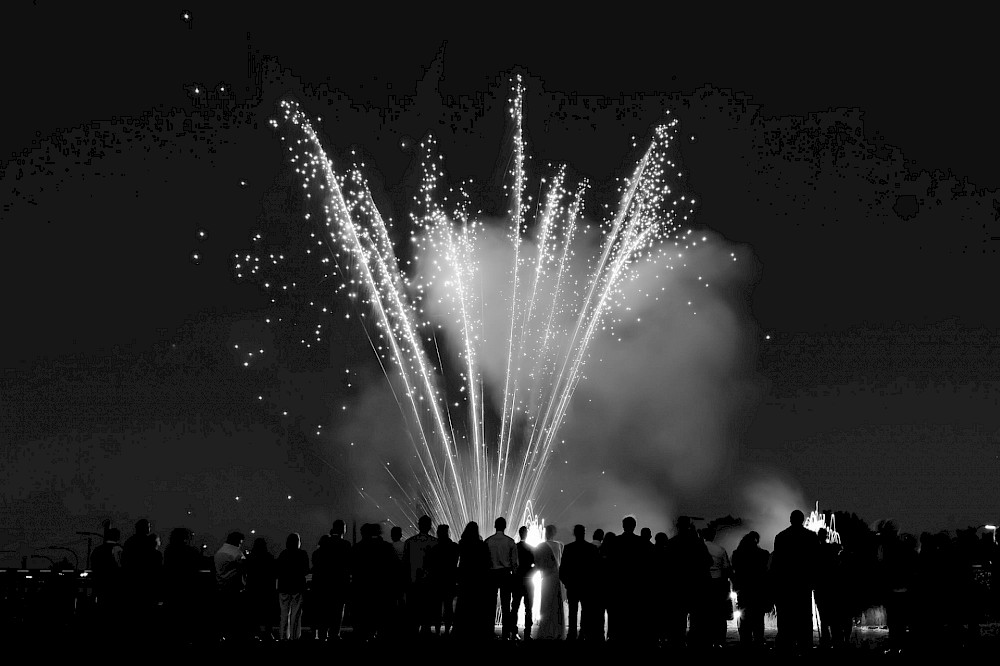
pixel 466 466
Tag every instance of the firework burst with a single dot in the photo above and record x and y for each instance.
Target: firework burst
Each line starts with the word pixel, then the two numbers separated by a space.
pixel 484 452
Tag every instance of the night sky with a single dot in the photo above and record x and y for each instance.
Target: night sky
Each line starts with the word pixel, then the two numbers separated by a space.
pixel 848 161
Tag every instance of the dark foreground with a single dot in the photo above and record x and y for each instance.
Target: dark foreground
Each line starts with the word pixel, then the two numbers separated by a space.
pixel 865 645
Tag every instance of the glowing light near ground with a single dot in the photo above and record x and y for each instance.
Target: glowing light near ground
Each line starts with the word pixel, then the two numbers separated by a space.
pixel 464 468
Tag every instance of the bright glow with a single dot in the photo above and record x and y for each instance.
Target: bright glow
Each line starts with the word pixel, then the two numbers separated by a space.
pixel 552 309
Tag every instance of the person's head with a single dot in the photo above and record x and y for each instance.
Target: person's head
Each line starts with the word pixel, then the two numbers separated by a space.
pixel 396 533
pixel 325 540
pixel 500 524
pixel 579 532
pixel 628 525
pixel 708 534
pixel 293 541
pixel 142 527
pixel 646 533
pixel 660 539
pixel 471 531
pixel 375 530
pixel 153 540
pixel 259 546
pixel 598 534
pixel 112 534
pixel 522 532
pixel 442 532
pixel 235 539
pixel 823 535
pixel 550 532
pixel 180 536
pixel 749 540
pixel 424 524
pixel 797 518
pixel 338 528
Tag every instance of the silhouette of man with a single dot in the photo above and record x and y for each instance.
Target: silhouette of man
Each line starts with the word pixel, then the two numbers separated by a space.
pixel 796 551
pixel 503 563
pixel 374 564
pixel 578 572
pixel 524 587
pixel 339 563
pixel 229 567
pixel 418 597
pixel 688 564
pixel 442 573
pixel 630 559
pixel 716 608
pixel 106 564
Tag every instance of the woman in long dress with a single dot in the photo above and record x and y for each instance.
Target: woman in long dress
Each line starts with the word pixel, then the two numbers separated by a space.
pixel 548 555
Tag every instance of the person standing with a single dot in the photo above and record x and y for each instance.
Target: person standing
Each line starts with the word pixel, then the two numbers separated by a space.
pixel 293 566
pixel 260 591
pixel 339 562
pixel 503 562
pixel 548 557
pixel 418 596
pixel 717 603
pixel 524 586
pixel 473 616
pixel 688 563
pixel 442 574
pixel 578 571
pixel 229 564
pixel 109 582
pixel 796 553
pixel 750 583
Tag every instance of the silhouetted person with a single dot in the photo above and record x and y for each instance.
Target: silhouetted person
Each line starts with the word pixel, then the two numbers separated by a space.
pixel 261 592
pixel 474 614
pixel 793 563
pixel 688 565
pixel 442 574
pixel 228 562
pixel 396 538
pixel 829 593
pixel 320 590
pixel 716 601
pixel 548 557
pixel 524 588
pixel 134 547
pixel 340 562
pixel 598 591
pixel 419 599
pixel 750 582
pixel 630 558
pixel 141 564
pixel 401 614
pixel 182 594
pixel 608 582
pixel 579 572
pixel 660 590
pixel 109 580
pixel 374 565
pixel 293 566
pixel 503 562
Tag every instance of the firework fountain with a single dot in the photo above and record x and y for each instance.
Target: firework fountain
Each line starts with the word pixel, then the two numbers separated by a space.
pixel 481 448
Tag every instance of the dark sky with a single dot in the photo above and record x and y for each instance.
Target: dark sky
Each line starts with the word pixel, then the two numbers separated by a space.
pixel 849 157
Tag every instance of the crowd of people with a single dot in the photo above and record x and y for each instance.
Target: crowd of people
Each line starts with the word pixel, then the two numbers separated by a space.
pixel 624 587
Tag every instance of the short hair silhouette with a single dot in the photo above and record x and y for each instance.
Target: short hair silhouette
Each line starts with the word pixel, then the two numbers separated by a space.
pixel 396 532
pixel 708 534
pixel 235 538
pixel 142 526
pixel 550 531
pixel 424 524
pixel 598 534
pixel 522 532
pixel 338 528
pixel 797 517
pixel 646 533
pixel 292 541
pixel 579 531
pixel 500 523
pixel 442 531
pixel 628 524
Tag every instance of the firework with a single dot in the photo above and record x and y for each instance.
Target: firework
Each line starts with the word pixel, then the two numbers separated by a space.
pixel 485 453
